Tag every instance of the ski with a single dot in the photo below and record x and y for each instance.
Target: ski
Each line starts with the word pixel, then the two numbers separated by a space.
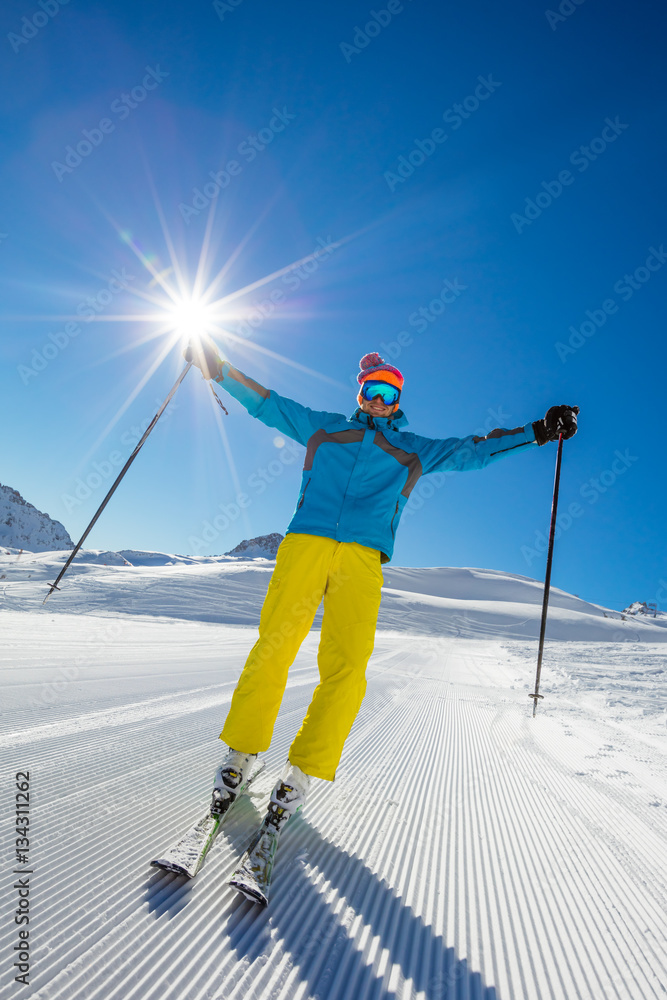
pixel 188 854
pixel 252 878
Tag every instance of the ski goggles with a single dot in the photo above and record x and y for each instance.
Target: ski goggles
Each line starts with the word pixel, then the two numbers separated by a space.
pixel 371 389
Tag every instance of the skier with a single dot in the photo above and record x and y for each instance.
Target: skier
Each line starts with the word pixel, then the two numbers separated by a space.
pixel 357 476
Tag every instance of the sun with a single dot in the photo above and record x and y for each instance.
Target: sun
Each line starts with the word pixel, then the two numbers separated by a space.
pixel 178 306
pixel 191 317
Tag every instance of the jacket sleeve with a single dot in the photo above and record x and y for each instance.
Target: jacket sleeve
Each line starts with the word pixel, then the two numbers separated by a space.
pixel 293 419
pixel 472 452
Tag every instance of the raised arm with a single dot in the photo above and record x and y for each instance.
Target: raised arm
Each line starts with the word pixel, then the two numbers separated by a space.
pixel 473 452
pixel 286 415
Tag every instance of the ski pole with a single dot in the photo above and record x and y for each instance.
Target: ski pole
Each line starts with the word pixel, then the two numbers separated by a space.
pixel 547 579
pixel 54 586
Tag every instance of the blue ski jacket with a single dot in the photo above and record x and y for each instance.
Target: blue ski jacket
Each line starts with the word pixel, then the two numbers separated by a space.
pixel 359 471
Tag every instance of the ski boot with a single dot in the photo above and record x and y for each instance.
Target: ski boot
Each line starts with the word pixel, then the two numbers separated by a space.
pixel 229 777
pixel 288 796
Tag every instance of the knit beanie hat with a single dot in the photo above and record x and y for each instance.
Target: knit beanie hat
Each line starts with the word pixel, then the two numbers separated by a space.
pixel 375 367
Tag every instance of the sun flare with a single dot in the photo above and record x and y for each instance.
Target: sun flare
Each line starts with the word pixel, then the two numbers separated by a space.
pixel 191 317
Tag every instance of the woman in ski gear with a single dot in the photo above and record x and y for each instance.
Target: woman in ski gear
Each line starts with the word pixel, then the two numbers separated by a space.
pixel 357 477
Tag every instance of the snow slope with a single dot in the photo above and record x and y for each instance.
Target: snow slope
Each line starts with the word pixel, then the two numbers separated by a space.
pixel 465 850
pixel 228 590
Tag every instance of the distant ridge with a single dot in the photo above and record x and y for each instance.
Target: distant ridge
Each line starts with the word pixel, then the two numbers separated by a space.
pixel 642 608
pixel 22 526
pixel 265 546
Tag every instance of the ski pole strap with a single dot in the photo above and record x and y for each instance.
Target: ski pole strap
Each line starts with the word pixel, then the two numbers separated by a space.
pixel 218 400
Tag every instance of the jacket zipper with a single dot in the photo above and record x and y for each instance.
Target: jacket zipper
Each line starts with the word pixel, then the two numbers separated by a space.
pixel 303 496
pixel 391 526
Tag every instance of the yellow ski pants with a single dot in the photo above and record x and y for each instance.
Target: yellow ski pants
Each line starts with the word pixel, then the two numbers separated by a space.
pixel 349 578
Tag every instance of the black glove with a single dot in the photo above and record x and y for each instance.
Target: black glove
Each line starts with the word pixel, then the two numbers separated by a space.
pixel 559 420
pixel 203 353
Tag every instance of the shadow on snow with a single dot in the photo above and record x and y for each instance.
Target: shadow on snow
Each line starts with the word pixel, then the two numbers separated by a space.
pixel 328 957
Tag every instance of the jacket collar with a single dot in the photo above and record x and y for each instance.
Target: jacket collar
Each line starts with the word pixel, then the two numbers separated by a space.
pixel 391 423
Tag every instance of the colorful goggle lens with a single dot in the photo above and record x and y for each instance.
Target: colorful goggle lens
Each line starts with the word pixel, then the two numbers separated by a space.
pixel 389 394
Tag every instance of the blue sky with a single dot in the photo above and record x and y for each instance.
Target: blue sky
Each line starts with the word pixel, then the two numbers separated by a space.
pixel 516 154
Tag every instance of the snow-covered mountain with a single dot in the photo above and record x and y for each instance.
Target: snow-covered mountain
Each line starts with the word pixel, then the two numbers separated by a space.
pixel 22 526
pixel 642 608
pixel 264 546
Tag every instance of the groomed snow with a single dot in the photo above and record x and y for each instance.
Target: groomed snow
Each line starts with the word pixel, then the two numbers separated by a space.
pixel 465 850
